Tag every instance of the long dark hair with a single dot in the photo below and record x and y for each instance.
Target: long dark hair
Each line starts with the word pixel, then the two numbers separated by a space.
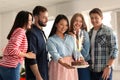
pixel 20 20
pixel 57 20
pixel 84 26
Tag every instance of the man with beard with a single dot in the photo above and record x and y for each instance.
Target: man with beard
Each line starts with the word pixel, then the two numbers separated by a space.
pixel 37 69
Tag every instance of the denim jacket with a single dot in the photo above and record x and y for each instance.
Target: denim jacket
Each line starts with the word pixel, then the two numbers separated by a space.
pixel 86 46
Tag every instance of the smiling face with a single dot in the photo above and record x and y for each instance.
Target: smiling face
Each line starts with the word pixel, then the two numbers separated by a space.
pixel 62 26
pixel 77 23
pixel 43 18
pixel 96 19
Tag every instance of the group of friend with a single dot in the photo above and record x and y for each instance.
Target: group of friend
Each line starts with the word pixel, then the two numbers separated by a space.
pixel 66 43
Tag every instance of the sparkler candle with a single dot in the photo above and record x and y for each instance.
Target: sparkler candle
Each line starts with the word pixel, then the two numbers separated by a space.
pixel 78 43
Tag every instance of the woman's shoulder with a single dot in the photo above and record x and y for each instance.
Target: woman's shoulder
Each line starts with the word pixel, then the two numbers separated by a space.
pixel 52 38
pixel 107 29
pixel 85 33
pixel 19 31
pixel 70 37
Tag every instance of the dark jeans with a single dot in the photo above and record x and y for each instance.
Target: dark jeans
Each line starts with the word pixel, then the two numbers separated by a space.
pixel 98 75
pixel 84 74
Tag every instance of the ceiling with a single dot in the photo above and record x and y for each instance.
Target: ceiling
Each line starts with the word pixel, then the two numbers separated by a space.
pixel 9 5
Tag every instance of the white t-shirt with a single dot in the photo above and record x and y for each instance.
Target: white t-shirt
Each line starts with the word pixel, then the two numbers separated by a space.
pixel 93 44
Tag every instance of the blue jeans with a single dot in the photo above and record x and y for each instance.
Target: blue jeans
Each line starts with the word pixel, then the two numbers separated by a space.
pixel 98 75
pixel 84 74
pixel 10 73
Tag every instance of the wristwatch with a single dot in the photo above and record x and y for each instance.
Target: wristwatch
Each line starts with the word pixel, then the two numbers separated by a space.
pixel 108 66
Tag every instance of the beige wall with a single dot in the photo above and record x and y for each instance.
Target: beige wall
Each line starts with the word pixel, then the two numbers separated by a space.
pixel 116 74
pixel 5 26
pixel 0 34
pixel 118 33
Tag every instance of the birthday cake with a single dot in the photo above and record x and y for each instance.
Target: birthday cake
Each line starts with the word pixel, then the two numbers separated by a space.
pixel 76 63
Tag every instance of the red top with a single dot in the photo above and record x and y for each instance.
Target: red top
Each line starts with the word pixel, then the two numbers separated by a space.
pixel 17 43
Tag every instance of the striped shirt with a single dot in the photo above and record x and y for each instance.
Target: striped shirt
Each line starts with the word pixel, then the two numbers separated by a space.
pixel 16 44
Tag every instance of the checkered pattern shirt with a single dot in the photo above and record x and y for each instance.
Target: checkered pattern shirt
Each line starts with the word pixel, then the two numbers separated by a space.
pixel 105 47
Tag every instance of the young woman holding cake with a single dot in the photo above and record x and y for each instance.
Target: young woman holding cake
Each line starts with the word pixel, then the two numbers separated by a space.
pixel 61 46
pixel 78 29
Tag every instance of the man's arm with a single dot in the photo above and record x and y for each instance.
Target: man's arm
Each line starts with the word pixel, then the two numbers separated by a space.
pixel 36 72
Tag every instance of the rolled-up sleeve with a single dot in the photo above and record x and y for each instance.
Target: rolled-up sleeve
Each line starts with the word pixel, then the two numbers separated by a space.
pixel 113 47
pixel 52 49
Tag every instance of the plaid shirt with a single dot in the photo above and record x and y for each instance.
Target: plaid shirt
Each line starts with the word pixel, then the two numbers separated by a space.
pixel 105 47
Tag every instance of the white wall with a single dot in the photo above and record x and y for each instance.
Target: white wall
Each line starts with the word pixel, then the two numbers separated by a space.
pixel 5 26
pixel 68 8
